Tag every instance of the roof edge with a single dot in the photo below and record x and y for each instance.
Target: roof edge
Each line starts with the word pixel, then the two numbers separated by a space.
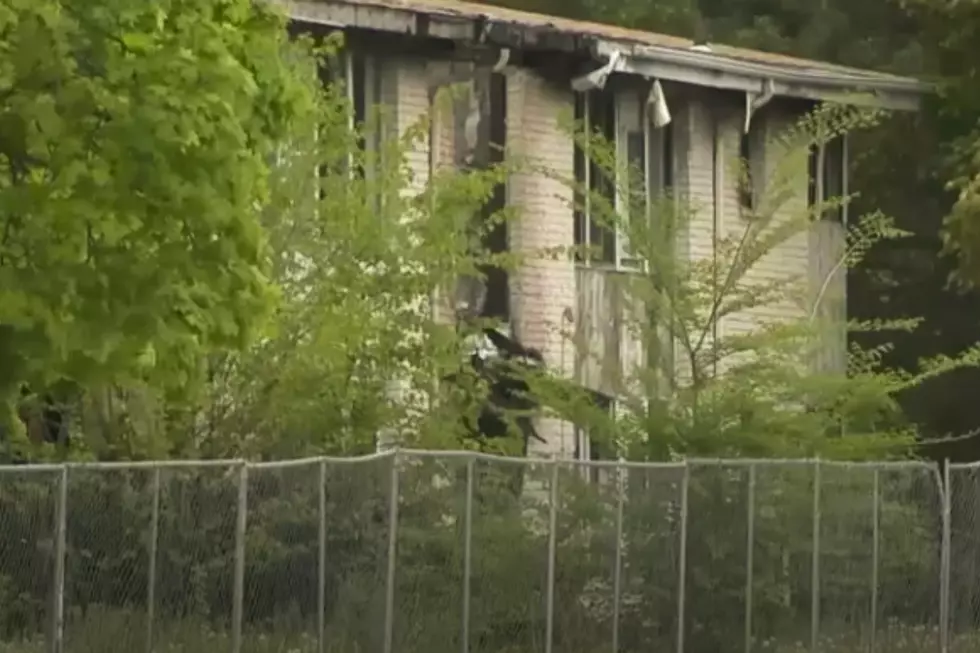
pixel 706 69
pixel 713 70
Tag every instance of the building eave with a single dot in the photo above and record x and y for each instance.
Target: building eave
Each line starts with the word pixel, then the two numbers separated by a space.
pixel 706 69
pixel 721 67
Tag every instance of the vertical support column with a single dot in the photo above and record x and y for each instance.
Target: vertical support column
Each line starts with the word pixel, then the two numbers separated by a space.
pixel 543 288
pixel 552 554
pixel 875 552
pixel 321 567
pixel 682 563
pixel 815 563
pixel 389 626
pixel 151 579
pixel 749 557
pixel 467 555
pixel 238 591
pixel 618 571
pixel 57 644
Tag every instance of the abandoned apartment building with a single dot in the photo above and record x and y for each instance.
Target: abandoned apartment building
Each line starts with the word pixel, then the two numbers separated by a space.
pixel 679 111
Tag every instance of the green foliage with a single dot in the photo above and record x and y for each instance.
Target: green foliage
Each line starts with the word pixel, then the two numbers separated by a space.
pixel 757 388
pixel 903 167
pixel 133 169
pixel 365 273
pixel 954 28
pixel 305 307
pixel 109 532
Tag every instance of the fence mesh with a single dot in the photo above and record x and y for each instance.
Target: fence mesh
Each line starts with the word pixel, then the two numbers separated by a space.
pixel 454 552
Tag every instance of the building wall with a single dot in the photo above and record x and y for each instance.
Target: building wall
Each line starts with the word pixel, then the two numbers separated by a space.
pixel 787 261
pixel 411 105
pixel 543 290
pixel 802 260
pixel 706 136
pixel 405 93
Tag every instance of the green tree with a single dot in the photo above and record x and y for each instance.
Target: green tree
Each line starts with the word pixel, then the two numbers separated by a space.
pixel 759 390
pixel 367 272
pixel 902 167
pixel 135 142
pixel 365 250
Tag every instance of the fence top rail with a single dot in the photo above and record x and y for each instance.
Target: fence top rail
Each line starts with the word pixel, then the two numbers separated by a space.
pixel 785 462
pixel 970 465
pixel 421 454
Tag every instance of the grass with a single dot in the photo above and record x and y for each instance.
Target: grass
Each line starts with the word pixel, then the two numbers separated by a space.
pixel 122 631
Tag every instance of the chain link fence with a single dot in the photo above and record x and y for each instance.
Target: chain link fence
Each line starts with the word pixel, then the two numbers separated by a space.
pixel 435 552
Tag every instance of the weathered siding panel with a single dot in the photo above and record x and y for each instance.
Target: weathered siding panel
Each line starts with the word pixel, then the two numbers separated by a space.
pixel 411 105
pixel 698 125
pixel 599 333
pixel 802 261
pixel 828 288
pixel 697 190
pixel 788 261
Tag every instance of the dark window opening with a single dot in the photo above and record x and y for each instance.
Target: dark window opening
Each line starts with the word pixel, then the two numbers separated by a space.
pixel 580 158
pixel 746 189
pixel 597 111
pixel 332 73
pixel 497 303
pixel 813 169
pixel 602 236
pixel 828 177
pixel 833 177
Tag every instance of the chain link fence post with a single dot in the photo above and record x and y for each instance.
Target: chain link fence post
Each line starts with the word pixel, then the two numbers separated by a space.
pixel 749 557
pixel 815 563
pixel 151 574
pixel 945 558
pixel 389 625
pixel 238 596
pixel 321 584
pixel 467 554
pixel 875 554
pixel 682 558
pixel 552 561
pixel 618 569
pixel 57 644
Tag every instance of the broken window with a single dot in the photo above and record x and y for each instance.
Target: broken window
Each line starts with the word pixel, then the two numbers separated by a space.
pixel 497 303
pixel 595 236
pixel 606 196
pixel 827 177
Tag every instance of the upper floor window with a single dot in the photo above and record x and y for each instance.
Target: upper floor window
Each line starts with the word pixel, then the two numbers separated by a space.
pixel 746 196
pixel 827 177
pixel 622 121
pixel 595 237
pixel 365 88
pixel 360 75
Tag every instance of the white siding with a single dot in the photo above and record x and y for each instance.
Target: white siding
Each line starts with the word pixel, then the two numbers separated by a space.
pixel 544 288
pixel 803 260
pixel 405 93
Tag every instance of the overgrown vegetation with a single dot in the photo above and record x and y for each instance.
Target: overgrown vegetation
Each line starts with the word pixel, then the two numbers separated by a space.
pixel 248 281
pixel 110 527
pixel 734 349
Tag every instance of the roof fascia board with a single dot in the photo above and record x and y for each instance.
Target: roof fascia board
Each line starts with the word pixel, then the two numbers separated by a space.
pixel 687 67
pixel 387 19
pixel 721 72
